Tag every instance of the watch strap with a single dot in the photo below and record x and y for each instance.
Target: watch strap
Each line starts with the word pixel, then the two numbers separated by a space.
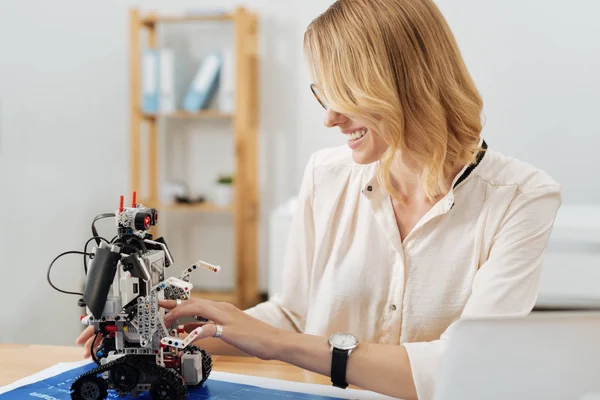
pixel 339 360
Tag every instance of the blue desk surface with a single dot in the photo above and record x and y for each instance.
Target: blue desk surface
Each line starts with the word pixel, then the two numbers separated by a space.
pixel 58 388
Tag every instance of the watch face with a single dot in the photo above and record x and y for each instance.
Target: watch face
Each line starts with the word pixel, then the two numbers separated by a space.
pixel 343 341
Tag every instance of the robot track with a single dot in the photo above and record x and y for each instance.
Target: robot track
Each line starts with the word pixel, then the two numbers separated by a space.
pixel 124 376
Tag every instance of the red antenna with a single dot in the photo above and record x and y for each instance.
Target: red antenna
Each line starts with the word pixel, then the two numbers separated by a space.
pixel 121 204
pixel 134 201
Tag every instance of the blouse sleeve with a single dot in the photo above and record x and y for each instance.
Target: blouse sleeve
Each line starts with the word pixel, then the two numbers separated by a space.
pixel 506 284
pixel 288 309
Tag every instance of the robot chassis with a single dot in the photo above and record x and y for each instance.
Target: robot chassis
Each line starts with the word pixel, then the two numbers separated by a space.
pixel 123 286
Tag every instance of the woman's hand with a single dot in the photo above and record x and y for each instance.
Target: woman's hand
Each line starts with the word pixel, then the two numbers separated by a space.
pixel 240 330
pixel 245 333
pixel 86 338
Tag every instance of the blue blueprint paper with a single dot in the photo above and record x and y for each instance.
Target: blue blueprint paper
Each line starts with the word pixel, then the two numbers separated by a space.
pixel 58 388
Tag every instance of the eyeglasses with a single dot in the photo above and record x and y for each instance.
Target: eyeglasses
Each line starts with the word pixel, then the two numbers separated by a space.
pixel 319 96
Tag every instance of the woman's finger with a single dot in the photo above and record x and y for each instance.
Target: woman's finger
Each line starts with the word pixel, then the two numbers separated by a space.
pixel 168 304
pixel 85 335
pixel 178 305
pixel 88 345
pixel 208 331
pixel 176 310
pixel 87 352
pixel 86 348
pixel 193 325
pixel 190 309
pixel 171 304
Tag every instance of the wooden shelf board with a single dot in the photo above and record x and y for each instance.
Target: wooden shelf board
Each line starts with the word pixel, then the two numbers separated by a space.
pixel 245 126
pixel 200 207
pixel 228 296
pixel 150 20
pixel 204 114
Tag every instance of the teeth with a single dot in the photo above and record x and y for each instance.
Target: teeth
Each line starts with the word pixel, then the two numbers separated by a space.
pixel 357 134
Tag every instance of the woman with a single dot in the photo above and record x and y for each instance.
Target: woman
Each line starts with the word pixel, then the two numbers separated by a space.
pixel 410 227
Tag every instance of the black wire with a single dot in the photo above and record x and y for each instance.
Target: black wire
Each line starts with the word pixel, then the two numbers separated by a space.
pixel 96 218
pixel 85 266
pixel 129 246
pixel 50 269
pixel 92 350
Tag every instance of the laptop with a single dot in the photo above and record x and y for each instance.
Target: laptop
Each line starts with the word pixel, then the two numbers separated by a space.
pixel 566 303
pixel 546 356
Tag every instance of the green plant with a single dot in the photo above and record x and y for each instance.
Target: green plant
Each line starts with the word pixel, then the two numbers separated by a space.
pixel 225 180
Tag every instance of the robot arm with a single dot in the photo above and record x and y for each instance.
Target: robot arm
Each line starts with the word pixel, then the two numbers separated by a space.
pixel 174 341
pixel 185 276
pixel 180 288
pixel 164 247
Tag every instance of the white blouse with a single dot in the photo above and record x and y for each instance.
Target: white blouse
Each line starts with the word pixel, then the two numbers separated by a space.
pixel 477 252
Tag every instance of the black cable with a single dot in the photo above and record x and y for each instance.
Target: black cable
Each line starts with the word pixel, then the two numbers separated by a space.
pixel 85 267
pixel 92 350
pixel 50 269
pixel 96 218
pixel 131 239
pixel 128 246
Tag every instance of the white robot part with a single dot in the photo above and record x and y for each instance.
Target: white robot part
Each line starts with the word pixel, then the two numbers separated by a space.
pixel 200 264
pixel 131 333
pixel 191 368
pixel 130 288
pixel 155 260
pixel 174 341
pixel 165 249
pixel 144 269
pixel 175 288
pixel 208 266
pixel 147 314
pixel 112 307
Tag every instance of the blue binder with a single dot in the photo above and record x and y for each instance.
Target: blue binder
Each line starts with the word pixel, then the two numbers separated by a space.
pixel 150 81
pixel 204 84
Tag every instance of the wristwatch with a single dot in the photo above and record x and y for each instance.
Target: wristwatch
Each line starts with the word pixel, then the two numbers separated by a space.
pixel 342 345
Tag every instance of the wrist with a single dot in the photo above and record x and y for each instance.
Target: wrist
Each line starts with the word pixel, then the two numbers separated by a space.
pixel 284 344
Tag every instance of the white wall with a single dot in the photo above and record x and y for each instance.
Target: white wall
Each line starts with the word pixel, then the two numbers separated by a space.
pixel 64 81
pixel 536 64
pixel 61 84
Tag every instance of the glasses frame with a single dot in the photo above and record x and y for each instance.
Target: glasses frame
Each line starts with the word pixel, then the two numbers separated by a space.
pixel 315 92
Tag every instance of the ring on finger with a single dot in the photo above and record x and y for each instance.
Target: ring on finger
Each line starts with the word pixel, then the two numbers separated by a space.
pixel 219 331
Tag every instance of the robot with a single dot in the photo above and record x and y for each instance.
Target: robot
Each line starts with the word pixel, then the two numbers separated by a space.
pixel 124 283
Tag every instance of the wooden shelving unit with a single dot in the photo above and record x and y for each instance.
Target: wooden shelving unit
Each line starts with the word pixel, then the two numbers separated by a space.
pixel 203 207
pixel 245 207
pixel 206 114
pixel 151 20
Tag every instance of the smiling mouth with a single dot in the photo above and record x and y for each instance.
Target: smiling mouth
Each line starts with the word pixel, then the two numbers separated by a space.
pixel 356 134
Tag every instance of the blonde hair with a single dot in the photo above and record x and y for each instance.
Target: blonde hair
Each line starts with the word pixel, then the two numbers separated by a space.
pixel 396 65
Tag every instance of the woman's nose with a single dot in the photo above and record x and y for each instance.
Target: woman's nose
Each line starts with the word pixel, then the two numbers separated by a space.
pixel 334 118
